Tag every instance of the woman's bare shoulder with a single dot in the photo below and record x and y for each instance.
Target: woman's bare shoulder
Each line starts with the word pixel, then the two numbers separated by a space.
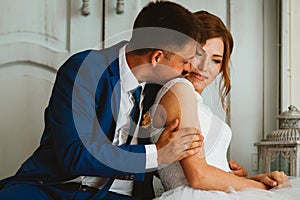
pixel 177 100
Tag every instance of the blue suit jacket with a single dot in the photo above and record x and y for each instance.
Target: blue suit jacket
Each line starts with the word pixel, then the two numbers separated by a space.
pixel 79 121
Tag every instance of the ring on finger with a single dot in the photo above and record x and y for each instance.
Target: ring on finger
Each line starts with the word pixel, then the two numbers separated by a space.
pixel 185 147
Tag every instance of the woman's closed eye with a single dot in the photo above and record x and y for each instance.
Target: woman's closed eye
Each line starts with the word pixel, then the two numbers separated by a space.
pixel 217 61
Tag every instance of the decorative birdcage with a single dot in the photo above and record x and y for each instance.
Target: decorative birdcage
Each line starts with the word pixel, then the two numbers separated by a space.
pixel 280 150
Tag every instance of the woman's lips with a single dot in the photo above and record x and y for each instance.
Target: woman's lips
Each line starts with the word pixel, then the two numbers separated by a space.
pixel 199 76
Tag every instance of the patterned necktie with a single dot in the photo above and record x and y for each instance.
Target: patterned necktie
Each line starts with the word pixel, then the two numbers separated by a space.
pixel 135 113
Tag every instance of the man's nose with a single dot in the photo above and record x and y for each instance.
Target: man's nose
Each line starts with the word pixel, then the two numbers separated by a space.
pixel 188 67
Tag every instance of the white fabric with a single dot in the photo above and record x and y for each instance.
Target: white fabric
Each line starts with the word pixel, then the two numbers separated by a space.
pixel 217 136
pixel 186 192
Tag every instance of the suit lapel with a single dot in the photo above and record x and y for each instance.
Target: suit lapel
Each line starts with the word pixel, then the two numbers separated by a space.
pixel 116 92
pixel 111 93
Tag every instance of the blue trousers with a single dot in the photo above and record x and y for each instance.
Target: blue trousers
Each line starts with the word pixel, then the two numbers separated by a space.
pixel 54 192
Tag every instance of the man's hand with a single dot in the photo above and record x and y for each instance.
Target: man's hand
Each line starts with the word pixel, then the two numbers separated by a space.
pixel 237 169
pixel 174 145
pixel 273 179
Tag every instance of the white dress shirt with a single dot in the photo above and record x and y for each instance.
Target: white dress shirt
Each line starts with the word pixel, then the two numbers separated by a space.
pixel 128 82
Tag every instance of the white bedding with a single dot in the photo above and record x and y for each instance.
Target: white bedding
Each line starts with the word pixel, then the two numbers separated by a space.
pixel 283 192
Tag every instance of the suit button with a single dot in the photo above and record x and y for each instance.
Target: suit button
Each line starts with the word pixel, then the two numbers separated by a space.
pixel 83 188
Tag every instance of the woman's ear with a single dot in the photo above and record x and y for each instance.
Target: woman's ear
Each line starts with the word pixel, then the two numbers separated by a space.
pixel 156 57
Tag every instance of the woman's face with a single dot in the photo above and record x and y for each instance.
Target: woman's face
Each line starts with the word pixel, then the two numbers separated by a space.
pixel 210 67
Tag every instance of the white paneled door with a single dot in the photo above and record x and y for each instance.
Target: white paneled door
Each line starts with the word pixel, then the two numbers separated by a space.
pixel 36 36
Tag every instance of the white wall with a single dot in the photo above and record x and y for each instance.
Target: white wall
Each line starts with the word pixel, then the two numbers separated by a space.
pixel 290 92
pixel 295 50
pixel 254 74
pixel 246 96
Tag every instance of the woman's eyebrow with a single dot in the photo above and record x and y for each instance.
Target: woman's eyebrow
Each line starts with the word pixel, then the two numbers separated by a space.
pixel 217 55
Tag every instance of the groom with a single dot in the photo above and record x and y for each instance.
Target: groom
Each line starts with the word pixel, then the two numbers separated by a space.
pixel 85 150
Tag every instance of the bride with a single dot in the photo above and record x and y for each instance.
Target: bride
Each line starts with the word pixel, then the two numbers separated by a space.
pixel 208 175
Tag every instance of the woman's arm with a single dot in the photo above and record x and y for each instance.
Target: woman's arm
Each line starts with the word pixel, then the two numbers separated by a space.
pixel 200 175
pixel 180 102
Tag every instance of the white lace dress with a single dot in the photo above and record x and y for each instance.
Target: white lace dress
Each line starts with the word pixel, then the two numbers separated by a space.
pixel 217 136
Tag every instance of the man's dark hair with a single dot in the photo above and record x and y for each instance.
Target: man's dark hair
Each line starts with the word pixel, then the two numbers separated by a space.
pixel 164 25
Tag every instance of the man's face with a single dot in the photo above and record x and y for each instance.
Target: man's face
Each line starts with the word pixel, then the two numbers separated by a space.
pixel 173 65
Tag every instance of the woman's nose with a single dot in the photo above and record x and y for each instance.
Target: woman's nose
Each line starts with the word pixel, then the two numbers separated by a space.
pixel 205 63
pixel 201 63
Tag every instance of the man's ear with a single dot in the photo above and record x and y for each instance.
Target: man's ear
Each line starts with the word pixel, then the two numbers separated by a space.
pixel 156 57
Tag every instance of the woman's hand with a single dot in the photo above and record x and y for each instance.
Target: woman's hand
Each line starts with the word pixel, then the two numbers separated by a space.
pixel 237 169
pixel 273 179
